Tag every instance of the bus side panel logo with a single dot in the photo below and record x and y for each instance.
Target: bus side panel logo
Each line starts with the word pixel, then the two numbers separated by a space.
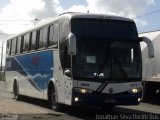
pixel 35 60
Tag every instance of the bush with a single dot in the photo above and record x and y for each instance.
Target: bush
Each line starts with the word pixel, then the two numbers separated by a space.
pixel 2 76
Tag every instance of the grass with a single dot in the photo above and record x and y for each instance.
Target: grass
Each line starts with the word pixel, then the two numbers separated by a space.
pixel 2 77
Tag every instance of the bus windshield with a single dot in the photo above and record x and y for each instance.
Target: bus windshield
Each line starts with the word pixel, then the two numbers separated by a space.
pixel 104 28
pixel 106 51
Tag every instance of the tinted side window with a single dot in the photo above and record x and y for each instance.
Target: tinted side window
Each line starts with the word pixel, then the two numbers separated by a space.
pixel 53 36
pixel 43 37
pixel 13 47
pixel 26 42
pixel 8 50
pixel 63 44
pixel 33 40
pixel 18 45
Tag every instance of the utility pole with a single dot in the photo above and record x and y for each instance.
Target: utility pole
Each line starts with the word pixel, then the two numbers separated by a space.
pixel 2 58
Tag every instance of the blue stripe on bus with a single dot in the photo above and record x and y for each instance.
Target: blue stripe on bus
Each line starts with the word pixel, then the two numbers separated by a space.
pixel 37 66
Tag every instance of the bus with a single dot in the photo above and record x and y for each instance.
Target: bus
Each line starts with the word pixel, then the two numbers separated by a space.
pixel 78 59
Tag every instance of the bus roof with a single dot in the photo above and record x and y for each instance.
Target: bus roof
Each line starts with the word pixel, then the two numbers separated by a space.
pixel 69 15
pixel 90 15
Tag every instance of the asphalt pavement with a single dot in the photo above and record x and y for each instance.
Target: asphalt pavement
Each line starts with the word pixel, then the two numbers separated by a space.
pixel 35 109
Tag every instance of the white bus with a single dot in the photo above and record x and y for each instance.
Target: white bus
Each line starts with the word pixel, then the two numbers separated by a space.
pixel 78 59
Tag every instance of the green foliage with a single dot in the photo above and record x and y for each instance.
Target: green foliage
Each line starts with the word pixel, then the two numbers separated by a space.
pixel 2 77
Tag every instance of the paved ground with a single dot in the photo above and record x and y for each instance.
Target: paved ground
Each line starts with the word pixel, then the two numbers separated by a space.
pixel 34 109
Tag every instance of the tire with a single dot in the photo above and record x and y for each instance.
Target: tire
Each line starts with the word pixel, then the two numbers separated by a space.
pixel 53 100
pixel 16 91
pixel 144 95
pixel 108 108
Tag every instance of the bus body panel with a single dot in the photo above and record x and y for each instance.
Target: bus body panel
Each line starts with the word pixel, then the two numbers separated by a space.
pixel 59 82
pixel 116 87
pixel 111 93
pixel 63 85
pixel 32 72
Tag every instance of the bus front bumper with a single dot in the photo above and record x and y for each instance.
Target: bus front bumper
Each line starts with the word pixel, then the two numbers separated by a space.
pixel 100 99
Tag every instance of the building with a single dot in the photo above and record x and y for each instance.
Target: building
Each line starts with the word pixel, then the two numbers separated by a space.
pixel 3 38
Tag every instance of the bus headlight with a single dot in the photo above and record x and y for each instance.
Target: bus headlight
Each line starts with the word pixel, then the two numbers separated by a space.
pixel 135 90
pixel 83 90
pixel 76 99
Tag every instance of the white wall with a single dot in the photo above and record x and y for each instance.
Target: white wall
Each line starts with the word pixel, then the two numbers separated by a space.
pixel 3 38
pixel 151 35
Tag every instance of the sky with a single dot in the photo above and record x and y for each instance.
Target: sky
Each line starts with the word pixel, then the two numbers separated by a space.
pixel 18 15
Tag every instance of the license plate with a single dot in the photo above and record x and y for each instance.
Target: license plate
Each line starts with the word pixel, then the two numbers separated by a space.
pixel 110 101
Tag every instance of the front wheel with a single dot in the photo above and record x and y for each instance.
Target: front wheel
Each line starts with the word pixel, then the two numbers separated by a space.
pixel 16 91
pixel 108 108
pixel 53 100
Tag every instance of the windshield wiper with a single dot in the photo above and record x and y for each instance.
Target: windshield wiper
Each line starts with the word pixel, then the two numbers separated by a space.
pixel 104 63
pixel 120 67
pixel 101 68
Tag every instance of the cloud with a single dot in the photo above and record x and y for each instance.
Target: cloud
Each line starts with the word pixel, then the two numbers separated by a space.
pixel 125 8
pixel 141 22
pixel 29 11
pixel 22 9
pixel 51 8
pixel 42 9
pixel 18 10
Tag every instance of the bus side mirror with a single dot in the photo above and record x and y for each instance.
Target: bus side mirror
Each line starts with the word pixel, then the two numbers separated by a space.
pixel 149 45
pixel 72 44
pixel 67 73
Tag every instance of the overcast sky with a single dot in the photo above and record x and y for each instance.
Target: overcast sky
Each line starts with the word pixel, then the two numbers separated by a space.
pixel 20 14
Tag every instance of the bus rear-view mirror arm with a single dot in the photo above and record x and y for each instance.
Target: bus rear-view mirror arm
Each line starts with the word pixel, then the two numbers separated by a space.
pixel 72 44
pixel 149 45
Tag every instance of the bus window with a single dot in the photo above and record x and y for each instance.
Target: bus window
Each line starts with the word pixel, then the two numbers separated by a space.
pixel 33 40
pixel 13 49
pixel 26 43
pixel 8 51
pixel 30 37
pixel 53 36
pixel 64 57
pixel 18 51
pixel 43 37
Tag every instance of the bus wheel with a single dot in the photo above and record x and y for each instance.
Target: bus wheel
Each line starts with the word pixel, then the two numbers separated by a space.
pixel 53 100
pixel 16 90
pixel 108 108
pixel 145 97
